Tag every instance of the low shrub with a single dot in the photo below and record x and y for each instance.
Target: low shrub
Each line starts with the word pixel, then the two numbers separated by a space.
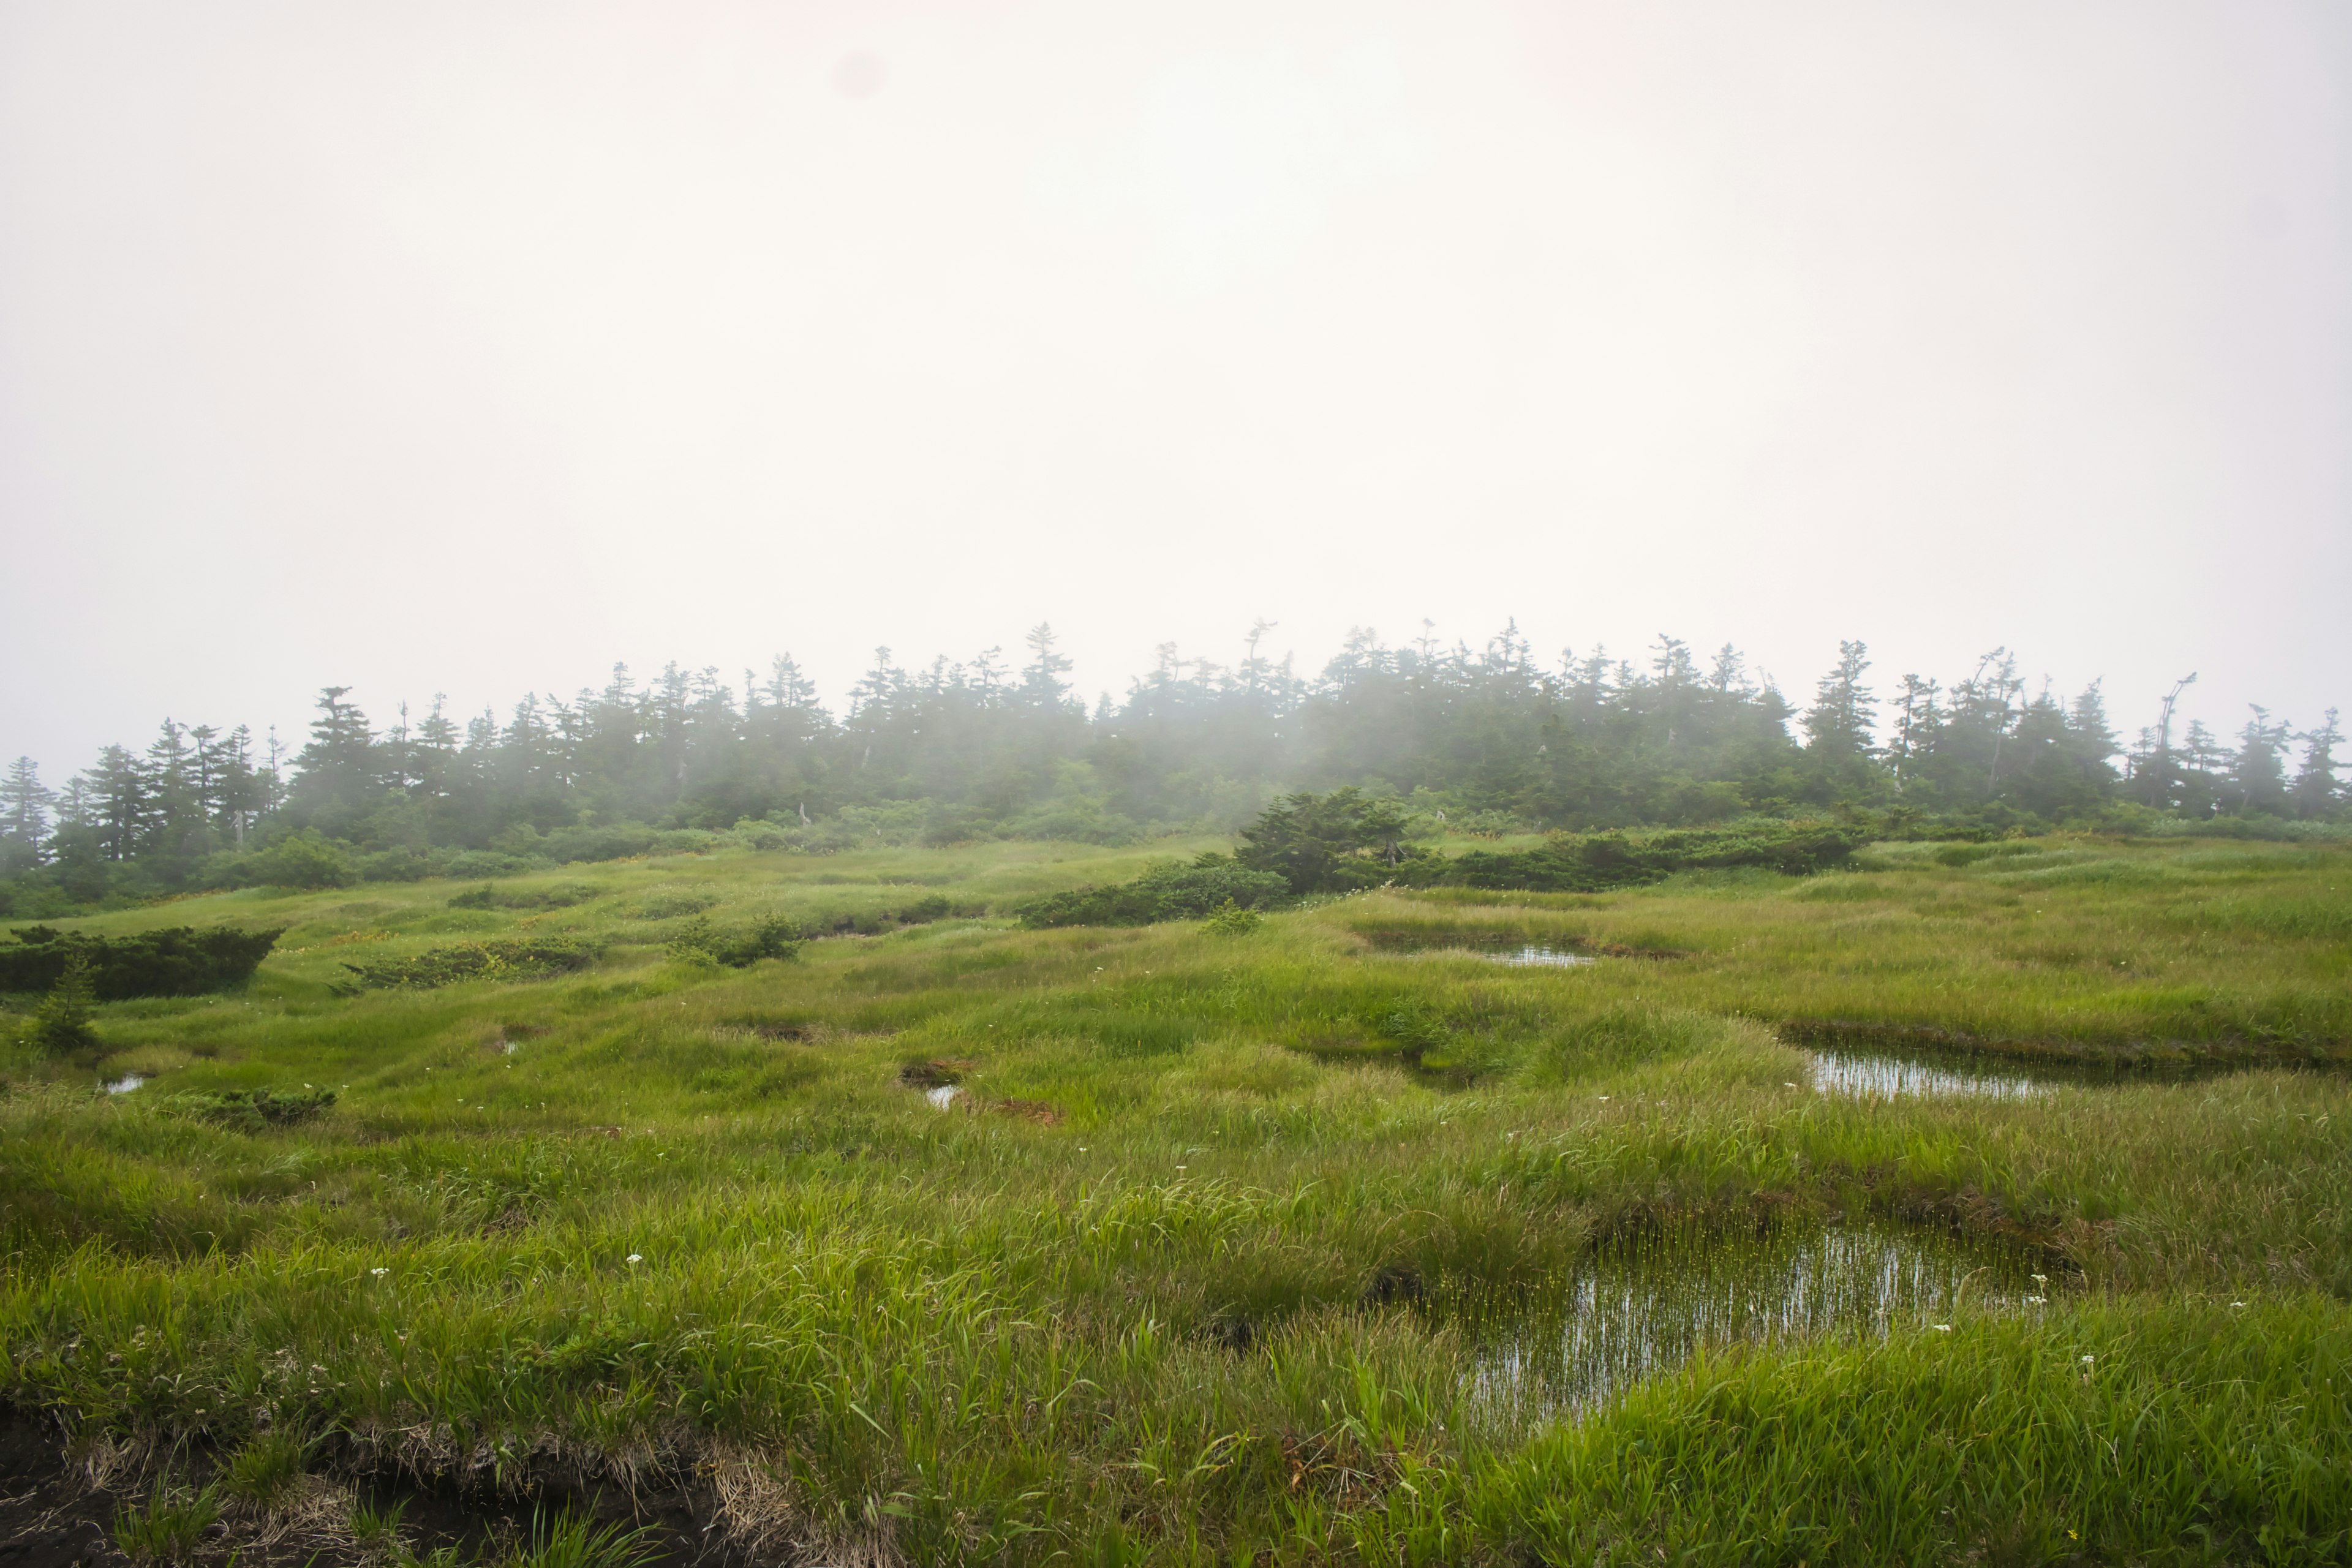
pixel 562 896
pixel 1588 863
pixel 253 1109
pixel 469 961
pixel 772 936
pixel 922 911
pixel 305 859
pixel 1171 892
pixel 178 960
pixel 1229 918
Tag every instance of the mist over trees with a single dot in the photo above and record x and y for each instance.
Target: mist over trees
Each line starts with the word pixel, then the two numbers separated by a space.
pixel 1485 740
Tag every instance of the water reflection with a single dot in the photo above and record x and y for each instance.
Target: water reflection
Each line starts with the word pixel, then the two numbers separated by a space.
pixel 1863 1076
pixel 1547 957
pixel 1642 1307
pixel 125 1084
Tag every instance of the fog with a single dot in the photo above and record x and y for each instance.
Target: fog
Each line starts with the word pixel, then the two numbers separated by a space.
pixel 452 348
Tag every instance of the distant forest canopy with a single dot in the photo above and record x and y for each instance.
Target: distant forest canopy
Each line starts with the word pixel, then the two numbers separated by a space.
pixel 1478 740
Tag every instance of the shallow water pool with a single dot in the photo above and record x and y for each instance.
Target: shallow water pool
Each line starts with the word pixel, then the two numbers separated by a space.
pixel 1540 957
pixel 1640 1308
pixel 1863 1075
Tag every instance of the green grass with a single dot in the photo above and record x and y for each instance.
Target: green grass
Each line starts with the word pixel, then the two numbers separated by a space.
pixel 659 1224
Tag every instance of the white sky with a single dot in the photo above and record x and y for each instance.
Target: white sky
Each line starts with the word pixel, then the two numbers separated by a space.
pixel 467 348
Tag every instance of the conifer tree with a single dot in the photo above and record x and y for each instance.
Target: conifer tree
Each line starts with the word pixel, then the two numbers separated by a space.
pixel 1839 722
pixel 61 1025
pixel 2315 791
pixel 24 806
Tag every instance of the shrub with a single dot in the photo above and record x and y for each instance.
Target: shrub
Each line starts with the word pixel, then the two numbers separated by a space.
pixel 562 896
pixel 1170 892
pixel 305 859
pixel 1321 843
pixel 468 863
pixel 609 843
pixel 469 961
pixel 1229 918
pixel 253 1109
pixel 1585 863
pixel 396 866
pixel 770 937
pixel 178 960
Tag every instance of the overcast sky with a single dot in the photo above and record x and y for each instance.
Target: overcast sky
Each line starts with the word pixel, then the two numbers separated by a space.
pixel 470 347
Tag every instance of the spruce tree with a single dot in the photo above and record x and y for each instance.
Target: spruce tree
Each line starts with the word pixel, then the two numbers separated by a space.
pixel 2313 792
pixel 24 813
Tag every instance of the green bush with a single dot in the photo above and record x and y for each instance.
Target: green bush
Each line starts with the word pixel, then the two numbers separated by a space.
pixel 471 863
pixel 469 961
pixel 253 1109
pixel 562 896
pixel 396 866
pixel 609 843
pixel 770 937
pixel 178 960
pixel 1588 863
pixel 1229 918
pixel 304 859
pixel 1171 892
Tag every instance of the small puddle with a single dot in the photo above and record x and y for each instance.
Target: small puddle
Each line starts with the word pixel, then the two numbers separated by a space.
pixel 1540 957
pixel 943 1096
pixel 1495 948
pixel 1642 1308
pixel 1860 1075
pixel 125 1084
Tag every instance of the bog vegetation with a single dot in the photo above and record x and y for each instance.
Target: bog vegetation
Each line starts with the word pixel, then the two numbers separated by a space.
pixel 876 1206
pixel 1452 1110
pixel 1494 741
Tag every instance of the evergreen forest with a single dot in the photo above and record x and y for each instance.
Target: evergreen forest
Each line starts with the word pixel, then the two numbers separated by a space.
pixel 1488 741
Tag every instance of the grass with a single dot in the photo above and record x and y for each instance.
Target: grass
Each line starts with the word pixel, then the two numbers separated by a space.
pixel 1175 1278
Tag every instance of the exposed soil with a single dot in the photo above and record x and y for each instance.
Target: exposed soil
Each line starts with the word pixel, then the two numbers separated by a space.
pixel 52 1517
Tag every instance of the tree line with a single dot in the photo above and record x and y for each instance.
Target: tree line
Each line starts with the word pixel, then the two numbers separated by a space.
pixel 1485 738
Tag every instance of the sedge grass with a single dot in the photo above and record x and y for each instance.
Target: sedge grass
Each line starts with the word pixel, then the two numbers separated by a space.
pixel 1130 1296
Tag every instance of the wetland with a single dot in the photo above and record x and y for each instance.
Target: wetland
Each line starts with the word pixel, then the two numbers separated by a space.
pixel 1341 1234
